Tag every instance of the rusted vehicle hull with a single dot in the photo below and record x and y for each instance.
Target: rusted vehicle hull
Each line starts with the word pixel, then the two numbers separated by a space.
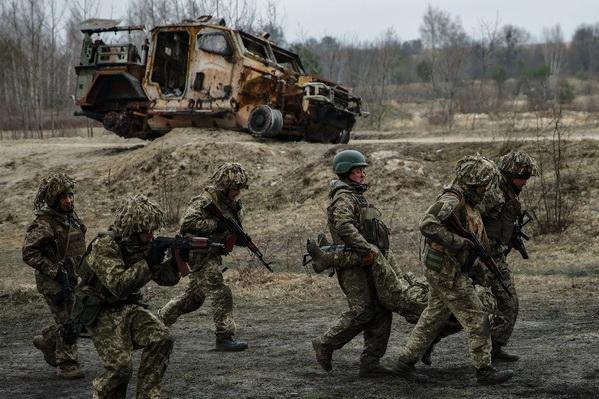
pixel 204 74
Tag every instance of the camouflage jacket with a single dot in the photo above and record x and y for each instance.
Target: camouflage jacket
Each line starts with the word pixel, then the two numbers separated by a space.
pixel 51 239
pixel 196 221
pixel 500 209
pixel 347 211
pixel 439 236
pixel 116 270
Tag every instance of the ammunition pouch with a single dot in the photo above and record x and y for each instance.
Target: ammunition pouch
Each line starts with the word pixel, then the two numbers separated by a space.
pixel 374 229
pixel 433 259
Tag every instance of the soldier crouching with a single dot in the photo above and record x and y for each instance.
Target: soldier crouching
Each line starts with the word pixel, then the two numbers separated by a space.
pixel 109 301
pixel 53 245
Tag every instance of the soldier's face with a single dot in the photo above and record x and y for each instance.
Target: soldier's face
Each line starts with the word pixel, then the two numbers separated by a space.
pixel 519 182
pixel 233 194
pixel 66 203
pixel 358 175
pixel 146 236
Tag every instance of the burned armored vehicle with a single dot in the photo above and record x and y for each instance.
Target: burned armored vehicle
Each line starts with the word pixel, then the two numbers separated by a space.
pixel 202 73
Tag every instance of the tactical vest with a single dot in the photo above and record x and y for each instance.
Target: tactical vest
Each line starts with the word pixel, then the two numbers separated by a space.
pixel 69 239
pixel 370 223
pixel 501 227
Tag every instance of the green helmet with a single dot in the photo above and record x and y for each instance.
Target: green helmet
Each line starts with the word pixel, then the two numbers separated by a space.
pixel 476 170
pixel 229 174
pixel 138 214
pixel 51 188
pixel 518 163
pixel 345 160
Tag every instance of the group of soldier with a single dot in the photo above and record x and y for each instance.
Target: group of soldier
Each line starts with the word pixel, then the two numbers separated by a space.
pixel 97 287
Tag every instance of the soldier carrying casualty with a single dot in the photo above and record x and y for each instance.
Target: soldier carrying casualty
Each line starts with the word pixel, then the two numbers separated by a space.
pixel 202 218
pixel 503 218
pixel 109 301
pixel 451 291
pixel 357 225
pixel 53 246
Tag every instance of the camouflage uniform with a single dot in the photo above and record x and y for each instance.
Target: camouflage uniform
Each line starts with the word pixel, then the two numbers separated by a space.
pixel 347 213
pixel 110 303
pixel 53 244
pixel 206 279
pixel 451 291
pixel 500 209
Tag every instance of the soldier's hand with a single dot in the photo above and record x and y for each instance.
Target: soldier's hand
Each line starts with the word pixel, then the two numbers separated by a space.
pixel 467 244
pixel 369 259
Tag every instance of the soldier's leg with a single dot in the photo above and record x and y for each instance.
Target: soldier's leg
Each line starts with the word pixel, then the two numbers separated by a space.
pixel 67 356
pixel 376 338
pixel 111 336
pixel 391 287
pixel 507 313
pixel 461 299
pixel 362 308
pixel 191 299
pixel 431 321
pixel 148 332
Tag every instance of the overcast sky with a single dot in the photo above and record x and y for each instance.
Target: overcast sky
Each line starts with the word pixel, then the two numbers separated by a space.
pixel 367 19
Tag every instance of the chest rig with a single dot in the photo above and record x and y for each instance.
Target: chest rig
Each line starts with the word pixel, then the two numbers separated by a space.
pixel 369 223
pixel 500 226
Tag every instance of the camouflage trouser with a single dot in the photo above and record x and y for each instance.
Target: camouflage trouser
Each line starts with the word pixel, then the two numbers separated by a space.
pixel 208 281
pixel 66 355
pixel 507 307
pixel 451 296
pixel 407 295
pixel 116 334
pixel 365 314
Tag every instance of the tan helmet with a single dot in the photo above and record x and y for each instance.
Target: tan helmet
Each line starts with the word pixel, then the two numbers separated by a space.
pixel 51 188
pixel 229 175
pixel 518 163
pixel 476 170
pixel 138 214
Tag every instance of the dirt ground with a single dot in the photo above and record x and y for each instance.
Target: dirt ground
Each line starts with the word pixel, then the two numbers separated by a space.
pixel 278 314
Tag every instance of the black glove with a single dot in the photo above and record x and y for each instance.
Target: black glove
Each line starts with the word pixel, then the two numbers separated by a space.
pixel 221 226
pixel 156 253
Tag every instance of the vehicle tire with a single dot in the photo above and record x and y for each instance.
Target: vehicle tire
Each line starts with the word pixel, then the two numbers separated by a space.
pixel 342 138
pixel 265 121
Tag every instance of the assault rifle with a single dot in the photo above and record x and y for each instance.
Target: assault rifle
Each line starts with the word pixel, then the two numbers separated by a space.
pixel 180 247
pixel 66 291
pixel 237 236
pixel 518 236
pixel 477 251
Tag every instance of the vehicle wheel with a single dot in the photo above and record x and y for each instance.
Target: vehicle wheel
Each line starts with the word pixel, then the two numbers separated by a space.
pixel 265 121
pixel 342 138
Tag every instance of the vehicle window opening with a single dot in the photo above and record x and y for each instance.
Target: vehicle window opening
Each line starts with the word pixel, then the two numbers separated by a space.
pixel 170 62
pixel 286 60
pixel 255 47
pixel 214 43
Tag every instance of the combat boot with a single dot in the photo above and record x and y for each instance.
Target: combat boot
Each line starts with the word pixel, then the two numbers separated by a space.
pixel 69 372
pixel 47 350
pixel 405 369
pixel 490 375
pixel 323 260
pixel 324 355
pixel 373 369
pixel 499 355
pixel 229 344
pixel 426 358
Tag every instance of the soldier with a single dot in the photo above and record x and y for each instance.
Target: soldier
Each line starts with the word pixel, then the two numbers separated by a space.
pixel 451 290
pixel 500 210
pixel 398 291
pixel 53 245
pixel 109 301
pixel 355 223
pixel 206 278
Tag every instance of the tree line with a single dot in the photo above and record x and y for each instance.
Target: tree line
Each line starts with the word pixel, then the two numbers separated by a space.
pixel 445 68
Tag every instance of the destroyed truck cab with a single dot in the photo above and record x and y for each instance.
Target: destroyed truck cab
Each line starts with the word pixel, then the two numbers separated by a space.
pixel 202 73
